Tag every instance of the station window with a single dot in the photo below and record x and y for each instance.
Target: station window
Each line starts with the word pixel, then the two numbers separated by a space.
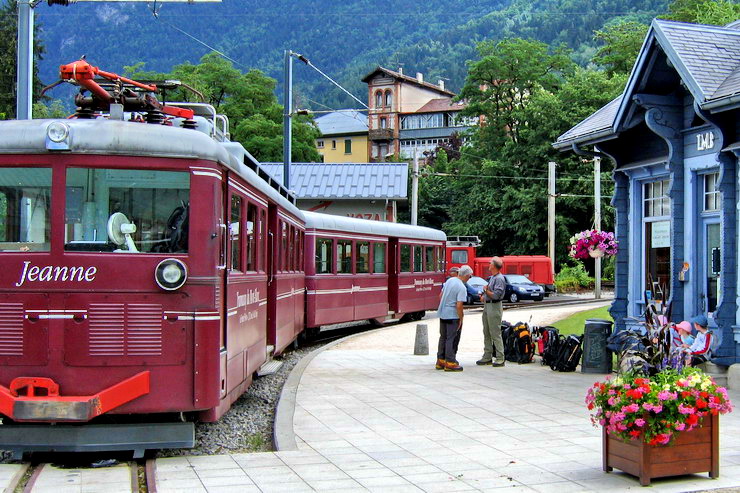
pixel 418 260
pixel 362 263
pixel 235 232
pixel 405 258
pixel 344 257
pixel 711 193
pixel 379 258
pixel 429 265
pixel 251 233
pixel 25 209
pixel 348 146
pixel 323 255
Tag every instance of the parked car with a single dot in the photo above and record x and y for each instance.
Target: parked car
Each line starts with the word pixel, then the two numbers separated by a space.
pixel 475 287
pixel 519 287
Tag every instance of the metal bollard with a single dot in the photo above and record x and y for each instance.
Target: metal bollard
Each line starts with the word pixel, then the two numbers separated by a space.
pixel 421 344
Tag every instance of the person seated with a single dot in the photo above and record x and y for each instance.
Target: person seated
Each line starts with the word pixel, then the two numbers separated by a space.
pixel 700 349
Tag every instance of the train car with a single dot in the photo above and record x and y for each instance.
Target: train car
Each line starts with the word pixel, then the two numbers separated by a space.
pixel 150 267
pixel 370 270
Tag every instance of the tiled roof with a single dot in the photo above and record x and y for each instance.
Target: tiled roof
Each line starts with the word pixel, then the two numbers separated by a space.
pixel 344 180
pixel 342 122
pixel 441 104
pixel 710 55
pixel 406 78
pixel 600 121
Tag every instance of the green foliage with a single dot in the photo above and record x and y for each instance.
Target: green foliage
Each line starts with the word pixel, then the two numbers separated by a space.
pixel 248 99
pixel 716 12
pixel 572 278
pixel 54 109
pixel 622 42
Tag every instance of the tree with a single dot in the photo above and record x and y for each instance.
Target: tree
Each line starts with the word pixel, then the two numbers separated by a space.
pixel 8 60
pixel 715 12
pixel 622 42
pixel 248 100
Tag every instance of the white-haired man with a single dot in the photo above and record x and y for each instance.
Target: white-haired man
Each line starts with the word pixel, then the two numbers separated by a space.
pixel 493 312
pixel 450 313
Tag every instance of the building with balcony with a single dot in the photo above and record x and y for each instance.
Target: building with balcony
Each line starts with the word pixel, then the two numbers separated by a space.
pixel 407 113
pixel 344 137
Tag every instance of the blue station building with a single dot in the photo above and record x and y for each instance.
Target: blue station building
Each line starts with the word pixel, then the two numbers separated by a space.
pixel 673 137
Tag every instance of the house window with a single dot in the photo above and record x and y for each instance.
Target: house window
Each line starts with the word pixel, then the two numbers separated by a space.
pixel 378 99
pixel 348 146
pixel 320 144
pixel 656 216
pixel 383 123
pixel 711 193
pixel 333 145
pixel 388 98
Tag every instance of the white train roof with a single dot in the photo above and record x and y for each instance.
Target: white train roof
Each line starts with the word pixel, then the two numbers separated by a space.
pixel 115 137
pixel 315 220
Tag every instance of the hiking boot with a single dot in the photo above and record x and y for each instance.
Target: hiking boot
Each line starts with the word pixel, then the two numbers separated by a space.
pixel 440 364
pixel 497 364
pixel 453 366
pixel 483 362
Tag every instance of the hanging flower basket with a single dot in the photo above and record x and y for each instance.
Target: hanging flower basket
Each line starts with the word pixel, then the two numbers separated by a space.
pixel 592 243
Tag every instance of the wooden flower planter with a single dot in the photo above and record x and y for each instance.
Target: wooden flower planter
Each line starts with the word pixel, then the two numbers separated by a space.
pixel 691 452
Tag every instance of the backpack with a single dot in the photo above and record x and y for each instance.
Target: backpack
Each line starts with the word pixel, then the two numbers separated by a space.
pixel 550 346
pixel 518 345
pixel 715 341
pixel 569 353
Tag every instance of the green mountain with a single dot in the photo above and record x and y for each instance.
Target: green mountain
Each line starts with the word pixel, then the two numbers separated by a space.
pixel 345 39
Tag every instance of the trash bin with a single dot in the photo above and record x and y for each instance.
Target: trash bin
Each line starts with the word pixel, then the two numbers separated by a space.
pixel 596 357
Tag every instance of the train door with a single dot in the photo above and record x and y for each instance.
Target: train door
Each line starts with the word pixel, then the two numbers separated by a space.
pixel 272 267
pixel 393 294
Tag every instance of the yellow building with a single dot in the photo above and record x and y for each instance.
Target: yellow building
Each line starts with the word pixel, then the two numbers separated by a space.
pixel 343 137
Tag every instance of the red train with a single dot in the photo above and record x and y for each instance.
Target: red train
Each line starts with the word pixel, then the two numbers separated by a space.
pixel 150 269
pixel 538 268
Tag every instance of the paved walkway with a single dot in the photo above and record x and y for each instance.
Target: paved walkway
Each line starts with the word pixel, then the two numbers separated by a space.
pixel 370 416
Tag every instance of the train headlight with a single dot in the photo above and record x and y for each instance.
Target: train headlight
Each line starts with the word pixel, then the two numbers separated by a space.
pixel 58 136
pixel 171 274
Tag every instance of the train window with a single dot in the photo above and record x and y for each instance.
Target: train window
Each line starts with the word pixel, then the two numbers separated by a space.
pixel 418 254
pixel 362 264
pixel 440 259
pixel 379 258
pixel 301 265
pixel 323 255
pixel 250 234
pixel 283 246
pixel 156 202
pixel 25 209
pixel 262 238
pixel 344 257
pixel 291 249
pixel 405 258
pixel 429 259
pixel 459 257
pixel 296 250
pixel 235 233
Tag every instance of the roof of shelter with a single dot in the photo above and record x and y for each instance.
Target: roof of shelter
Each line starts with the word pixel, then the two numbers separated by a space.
pixel 342 122
pixel 405 78
pixel 706 58
pixel 344 180
pixel 441 104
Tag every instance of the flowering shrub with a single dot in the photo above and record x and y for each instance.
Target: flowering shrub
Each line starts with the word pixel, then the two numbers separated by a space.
pixel 592 242
pixel 633 405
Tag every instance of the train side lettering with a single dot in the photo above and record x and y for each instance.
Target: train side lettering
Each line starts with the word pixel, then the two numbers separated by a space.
pixel 34 273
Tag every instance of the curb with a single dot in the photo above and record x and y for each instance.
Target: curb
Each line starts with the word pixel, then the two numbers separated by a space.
pixel 283 436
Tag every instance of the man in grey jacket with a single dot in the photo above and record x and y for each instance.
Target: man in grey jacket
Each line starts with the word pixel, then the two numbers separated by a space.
pixel 493 312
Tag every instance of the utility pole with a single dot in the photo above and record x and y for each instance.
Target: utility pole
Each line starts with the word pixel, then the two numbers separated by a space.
pixel 415 190
pixel 551 211
pixel 597 223
pixel 287 118
pixel 24 77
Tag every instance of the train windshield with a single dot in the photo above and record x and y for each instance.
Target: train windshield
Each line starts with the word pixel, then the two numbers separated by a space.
pixel 25 209
pixel 127 210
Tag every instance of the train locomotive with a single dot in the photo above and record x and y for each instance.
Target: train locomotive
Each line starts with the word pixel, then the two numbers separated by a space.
pixel 150 267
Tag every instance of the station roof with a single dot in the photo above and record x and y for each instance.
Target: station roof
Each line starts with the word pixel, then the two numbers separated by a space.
pixel 342 122
pixel 345 180
pixel 706 58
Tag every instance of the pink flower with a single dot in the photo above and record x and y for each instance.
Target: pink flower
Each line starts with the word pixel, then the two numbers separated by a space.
pixel 632 408
pixel 640 422
pixel 664 395
pixel 686 409
pixel 612 401
pixel 679 426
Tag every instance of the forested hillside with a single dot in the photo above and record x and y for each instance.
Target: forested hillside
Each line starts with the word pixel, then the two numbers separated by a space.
pixel 344 39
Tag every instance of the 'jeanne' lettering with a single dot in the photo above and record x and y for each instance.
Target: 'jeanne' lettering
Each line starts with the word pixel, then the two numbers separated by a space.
pixel 48 273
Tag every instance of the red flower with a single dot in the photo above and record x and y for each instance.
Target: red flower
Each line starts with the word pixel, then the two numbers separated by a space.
pixel 590 406
pixel 704 395
pixel 692 419
pixel 685 394
pixel 700 403
pixel 635 433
